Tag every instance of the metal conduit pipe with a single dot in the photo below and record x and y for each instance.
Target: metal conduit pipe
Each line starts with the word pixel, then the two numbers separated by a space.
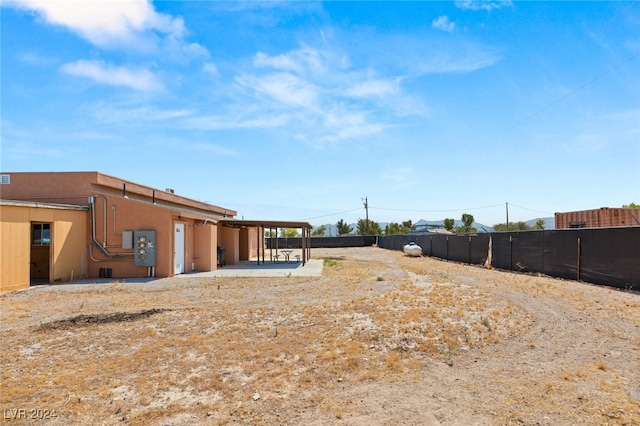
pixel 94 240
pixel 113 257
pixel 104 215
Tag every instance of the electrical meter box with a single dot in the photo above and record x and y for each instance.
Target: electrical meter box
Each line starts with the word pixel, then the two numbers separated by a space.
pixel 144 248
pixel 127 239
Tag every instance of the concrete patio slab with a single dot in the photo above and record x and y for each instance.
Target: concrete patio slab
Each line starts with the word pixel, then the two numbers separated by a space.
pixel 250 268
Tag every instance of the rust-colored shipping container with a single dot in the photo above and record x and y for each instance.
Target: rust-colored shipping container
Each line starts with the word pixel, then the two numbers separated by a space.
pixel 604 217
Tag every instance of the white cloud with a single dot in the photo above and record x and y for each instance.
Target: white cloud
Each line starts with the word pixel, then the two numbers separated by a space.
pixel 137 79
pixel 215 149
pixel 466 58
pixel 482 4
pixel 102 21
pixel 36 59
pixel 236 121
pixel 443 23
pixel 297 61
pixel 319 99
pixel 341 125
pixel 136 111
pixel 283 87
pixel 374 88
pixel 121 24
pixel 210 68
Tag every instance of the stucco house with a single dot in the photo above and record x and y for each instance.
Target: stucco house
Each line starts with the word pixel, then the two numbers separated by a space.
pixel 57 226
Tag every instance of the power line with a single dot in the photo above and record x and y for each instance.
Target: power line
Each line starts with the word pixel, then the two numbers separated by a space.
pixel 333 214
pixel 593 80
pixel 426 210
pixel 526 208
pixel 437 210
pixel 560 99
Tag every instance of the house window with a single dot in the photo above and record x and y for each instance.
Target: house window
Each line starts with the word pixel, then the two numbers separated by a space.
pixel 5 179
pixel 40 234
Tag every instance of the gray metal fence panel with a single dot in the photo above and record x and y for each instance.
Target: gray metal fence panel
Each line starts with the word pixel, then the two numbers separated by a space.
pixel 502 250
pixel 323 242
pixel 479 249
pixel 527 251
pixel 560 255
pixel 608 256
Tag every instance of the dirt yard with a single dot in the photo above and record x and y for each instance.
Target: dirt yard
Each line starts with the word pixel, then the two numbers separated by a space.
pixel 378 339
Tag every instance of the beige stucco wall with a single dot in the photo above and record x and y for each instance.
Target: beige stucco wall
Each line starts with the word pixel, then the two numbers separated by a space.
pixel 126 206
pixel 248 240
pixel 229 238
pixel 64 188
pixel 204 247
pixel 125 214
pixel 15 231
pixel 67 252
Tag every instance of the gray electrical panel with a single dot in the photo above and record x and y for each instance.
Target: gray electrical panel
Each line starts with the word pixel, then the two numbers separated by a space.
pixel 127 239
pixel 144 248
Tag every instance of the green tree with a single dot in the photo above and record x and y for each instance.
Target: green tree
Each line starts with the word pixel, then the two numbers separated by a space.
pixel 449 224
pixel 516 226
pixel 539 224
pixel 408 225
pixel 320 231
pixel 631 206
pixel 467 221
pixel 374 227
pixel 343 228
pixel 393 229
pixel 289 233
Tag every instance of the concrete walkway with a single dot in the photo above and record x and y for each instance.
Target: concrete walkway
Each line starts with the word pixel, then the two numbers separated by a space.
pixel 250 268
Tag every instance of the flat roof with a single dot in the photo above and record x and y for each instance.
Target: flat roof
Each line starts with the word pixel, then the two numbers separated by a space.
pixel 236 223
pixel 37 204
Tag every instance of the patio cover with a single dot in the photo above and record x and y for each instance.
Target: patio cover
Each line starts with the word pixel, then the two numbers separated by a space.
pixel 261 225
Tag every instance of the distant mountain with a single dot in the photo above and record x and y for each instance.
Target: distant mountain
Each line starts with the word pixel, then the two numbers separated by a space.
pixel 440 223
pixel 332 229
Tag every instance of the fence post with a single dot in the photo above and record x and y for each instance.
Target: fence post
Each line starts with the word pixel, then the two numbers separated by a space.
pixel 447 248
pixel 511 252
pixel 578 262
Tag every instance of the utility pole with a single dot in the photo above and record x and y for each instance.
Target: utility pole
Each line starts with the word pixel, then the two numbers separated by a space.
pixel 366 210
pixel 507 205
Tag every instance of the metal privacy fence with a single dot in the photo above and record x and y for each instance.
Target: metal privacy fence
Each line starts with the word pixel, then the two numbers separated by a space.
pixel 606 256
pixel 323 242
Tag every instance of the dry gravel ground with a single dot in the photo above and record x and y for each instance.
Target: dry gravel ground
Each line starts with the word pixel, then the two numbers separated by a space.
pixel 378 339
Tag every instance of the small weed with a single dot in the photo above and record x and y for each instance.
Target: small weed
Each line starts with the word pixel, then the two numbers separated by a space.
pixel 486 323
pixel 329 262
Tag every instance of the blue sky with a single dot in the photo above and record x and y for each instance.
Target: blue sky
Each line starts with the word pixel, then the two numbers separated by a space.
pixel 299 110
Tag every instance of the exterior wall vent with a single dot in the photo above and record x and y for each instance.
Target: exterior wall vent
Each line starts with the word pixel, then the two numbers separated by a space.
pixel 5 179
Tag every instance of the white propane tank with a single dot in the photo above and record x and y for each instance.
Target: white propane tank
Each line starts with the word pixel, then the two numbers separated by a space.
pixel 412 249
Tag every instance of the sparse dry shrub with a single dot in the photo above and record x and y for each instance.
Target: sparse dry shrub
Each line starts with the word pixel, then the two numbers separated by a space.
pixel 392 360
